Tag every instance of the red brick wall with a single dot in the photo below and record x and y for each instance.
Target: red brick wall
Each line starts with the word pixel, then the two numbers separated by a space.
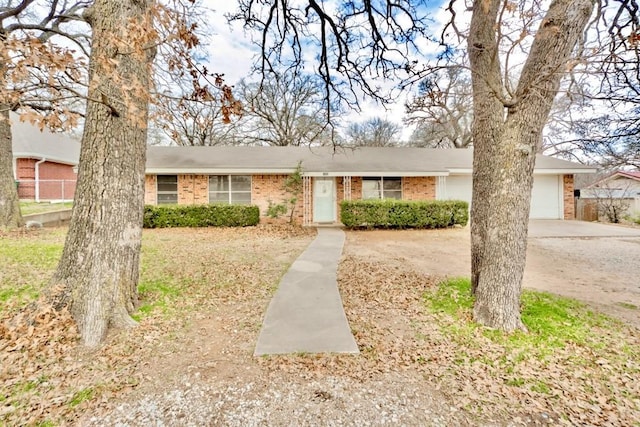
pixel 265 188
pixel 193 189
pixel 413 188
pixel 25 168
pixel 150 190
pixel 50 170
pixel 269 188
pixel 567 192
pixel 57 180
pixel 356 187
pixel 419 188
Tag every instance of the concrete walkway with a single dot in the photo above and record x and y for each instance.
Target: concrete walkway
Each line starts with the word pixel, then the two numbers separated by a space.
pixel 306 313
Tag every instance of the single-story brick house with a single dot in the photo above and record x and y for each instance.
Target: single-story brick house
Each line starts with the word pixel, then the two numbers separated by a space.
pixel 255 175
pixel 44 163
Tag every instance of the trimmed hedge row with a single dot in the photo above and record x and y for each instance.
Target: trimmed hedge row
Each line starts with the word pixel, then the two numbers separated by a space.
pixel 200 216
pixel 403 213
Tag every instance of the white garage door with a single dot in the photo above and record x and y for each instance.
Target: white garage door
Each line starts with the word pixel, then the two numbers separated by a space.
pixel 546 198
pixel 458 187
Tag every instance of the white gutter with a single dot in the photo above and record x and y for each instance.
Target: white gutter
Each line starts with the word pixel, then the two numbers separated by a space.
pixel 217 171
pixel 466 171
pixel 50 158
pixel 37 168
pixel 375 173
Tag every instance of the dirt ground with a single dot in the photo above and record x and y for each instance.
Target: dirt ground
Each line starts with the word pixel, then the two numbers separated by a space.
pixel 601 271
pixel 198 368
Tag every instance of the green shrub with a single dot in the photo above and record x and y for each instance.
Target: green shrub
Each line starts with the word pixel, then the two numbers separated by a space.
pixel 403 214
pixel 633 218
pixel 216 215
pixel 276 210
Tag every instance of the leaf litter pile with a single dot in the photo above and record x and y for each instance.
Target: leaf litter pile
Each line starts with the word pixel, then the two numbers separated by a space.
pixel 45 377
pixel 203 296
pixel 492 381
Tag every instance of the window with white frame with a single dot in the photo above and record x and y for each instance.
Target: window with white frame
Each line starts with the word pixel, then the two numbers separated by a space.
pixel 167 189
pixel 381 187
pixel 230 189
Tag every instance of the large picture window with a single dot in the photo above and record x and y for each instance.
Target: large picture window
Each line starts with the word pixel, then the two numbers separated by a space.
pixel 231 189
pixel 381 188
pixel 167 189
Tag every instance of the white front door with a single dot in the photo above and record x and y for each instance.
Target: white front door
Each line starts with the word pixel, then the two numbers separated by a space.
pixel 324 200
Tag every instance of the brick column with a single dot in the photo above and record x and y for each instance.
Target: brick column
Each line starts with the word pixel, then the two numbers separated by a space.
pixel 150 190
pixel 567 196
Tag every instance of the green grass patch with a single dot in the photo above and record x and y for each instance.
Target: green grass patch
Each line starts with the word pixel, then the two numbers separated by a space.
pixel 28 208
pixel 32 253
pixel 628 305
pixel 156 294
pixel 81 396
pixel 553 321
pixel 28 263
pixel 451 297
pixel 565 341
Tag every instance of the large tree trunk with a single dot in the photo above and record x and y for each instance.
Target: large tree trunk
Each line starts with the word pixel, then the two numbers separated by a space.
pixel 506 135
pixel 10 216
pixel 98 274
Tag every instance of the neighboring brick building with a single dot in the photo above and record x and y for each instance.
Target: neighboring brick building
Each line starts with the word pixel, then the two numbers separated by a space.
pixel 256 175
pixel 44 163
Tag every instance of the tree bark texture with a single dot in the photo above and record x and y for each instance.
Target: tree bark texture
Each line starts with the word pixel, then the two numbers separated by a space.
pixel 97 276
pixel 10 216
pixel 507 134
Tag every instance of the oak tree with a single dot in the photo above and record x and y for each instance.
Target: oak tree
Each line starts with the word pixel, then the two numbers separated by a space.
pixel 190 105
pixel 374 132
pixel 510 115
pixel 518 53
pixel 98 273
pixel 284 111
pixel 191 122
pixel 39 78
pixel 97 276
pixel 442 110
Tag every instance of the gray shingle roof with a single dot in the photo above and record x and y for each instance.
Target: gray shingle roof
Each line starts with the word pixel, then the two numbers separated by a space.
pixel 325 160
pixel 29 142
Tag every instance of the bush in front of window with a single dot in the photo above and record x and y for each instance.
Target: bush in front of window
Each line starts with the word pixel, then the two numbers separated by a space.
pixel 403 213
pixel 200 216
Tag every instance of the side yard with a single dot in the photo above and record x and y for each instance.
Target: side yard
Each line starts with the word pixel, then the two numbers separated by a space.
pixel 28 208
pixel 204 293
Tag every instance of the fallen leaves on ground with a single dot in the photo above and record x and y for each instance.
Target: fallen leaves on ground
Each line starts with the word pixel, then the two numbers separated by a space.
pixel 46 377
pixel 208 330
pixel 385 305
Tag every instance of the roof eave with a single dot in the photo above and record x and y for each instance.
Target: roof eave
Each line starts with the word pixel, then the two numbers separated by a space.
pixel 54 159
pixel 217 171
pixel 375 173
